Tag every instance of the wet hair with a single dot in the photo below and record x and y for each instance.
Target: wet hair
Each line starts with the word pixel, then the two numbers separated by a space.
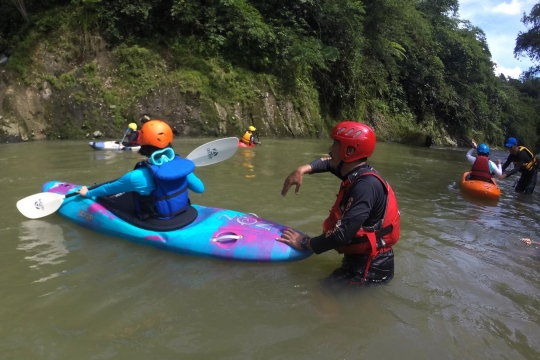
pixel 148 150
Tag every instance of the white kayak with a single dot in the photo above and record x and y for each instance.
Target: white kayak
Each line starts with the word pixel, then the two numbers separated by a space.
pixel 111 145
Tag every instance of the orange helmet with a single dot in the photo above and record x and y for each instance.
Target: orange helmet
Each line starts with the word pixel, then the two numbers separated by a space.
pixel 156 133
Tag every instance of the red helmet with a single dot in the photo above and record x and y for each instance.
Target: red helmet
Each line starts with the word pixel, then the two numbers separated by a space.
pixel 156 133
pixel 360 136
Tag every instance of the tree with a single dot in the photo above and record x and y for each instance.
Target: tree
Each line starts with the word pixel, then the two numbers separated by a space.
pixel 528 42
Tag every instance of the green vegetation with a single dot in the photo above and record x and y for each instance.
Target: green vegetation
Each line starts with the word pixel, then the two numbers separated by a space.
pixel 410 68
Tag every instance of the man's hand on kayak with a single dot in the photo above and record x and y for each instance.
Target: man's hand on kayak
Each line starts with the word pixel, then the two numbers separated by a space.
pixel 293 239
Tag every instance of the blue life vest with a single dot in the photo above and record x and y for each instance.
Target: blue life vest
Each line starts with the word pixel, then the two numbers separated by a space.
pixel 170 198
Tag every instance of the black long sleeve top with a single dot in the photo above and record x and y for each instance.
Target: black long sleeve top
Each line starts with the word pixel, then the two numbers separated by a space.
pixel 367 197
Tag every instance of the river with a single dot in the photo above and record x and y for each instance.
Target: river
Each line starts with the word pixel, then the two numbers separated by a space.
pixel 465 286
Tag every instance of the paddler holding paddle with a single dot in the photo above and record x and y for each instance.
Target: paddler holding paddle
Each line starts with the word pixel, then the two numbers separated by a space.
pixel 160 183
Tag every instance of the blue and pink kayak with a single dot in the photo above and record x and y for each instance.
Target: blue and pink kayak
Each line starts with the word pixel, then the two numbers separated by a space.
pixel 209 232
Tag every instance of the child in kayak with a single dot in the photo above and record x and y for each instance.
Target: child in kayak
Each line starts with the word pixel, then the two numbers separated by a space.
pixel 483 168
pixel 159 184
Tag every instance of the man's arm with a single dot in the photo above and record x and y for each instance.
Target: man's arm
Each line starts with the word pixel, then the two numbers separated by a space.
pixel 320 165
pixel 507 162
pixel 521 159
pixel 297 176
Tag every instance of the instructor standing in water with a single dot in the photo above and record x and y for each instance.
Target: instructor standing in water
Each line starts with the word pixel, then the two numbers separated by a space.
pixel 364 221
pixel 524 162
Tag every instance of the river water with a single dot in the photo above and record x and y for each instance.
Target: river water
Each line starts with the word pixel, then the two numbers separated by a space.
pixel 465 286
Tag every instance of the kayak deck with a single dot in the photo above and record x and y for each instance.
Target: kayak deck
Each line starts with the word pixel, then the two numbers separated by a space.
pixel 218 233
pixel 483 189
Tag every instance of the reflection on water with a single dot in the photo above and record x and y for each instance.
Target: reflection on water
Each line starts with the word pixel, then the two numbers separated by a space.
pixel 44 243
pixel 111 156
pixel 247 161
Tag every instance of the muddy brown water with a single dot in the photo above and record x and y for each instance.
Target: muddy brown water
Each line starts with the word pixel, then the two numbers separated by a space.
pixel 465 286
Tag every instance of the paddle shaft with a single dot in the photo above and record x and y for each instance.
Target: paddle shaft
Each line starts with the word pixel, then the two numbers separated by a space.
pixel 90 188
pixel 121 141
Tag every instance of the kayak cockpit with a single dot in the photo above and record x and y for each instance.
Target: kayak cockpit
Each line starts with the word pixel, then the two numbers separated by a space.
pixel 123 206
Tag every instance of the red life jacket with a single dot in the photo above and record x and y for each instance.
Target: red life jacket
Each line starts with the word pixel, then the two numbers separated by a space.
pixel 372 240
pixel 137 140
pixel 480 169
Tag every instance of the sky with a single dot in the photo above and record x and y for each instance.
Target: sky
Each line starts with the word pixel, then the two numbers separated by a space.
pixel 500 21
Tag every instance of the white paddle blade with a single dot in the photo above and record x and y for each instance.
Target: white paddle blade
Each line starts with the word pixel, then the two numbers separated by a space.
pixel 214 151
pixel 40 205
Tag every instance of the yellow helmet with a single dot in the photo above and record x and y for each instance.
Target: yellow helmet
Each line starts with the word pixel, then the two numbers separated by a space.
pixel 252 128
pixel 132 126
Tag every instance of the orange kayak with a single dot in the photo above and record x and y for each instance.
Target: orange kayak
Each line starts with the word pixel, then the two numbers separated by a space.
pixel 483 189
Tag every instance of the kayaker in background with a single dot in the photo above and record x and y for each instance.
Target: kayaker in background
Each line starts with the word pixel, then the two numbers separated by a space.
pixel 160 183
pixel 482 168
pixel 524 162
pixel 364 221
pixel 248 138
pixel 134 136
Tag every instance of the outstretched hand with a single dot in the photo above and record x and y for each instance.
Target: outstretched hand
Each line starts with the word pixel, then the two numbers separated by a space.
pixel 295 178
pixel 474 143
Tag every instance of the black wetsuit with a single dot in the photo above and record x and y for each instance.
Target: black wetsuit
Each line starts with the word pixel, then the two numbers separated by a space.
pixel 132 137
pixel 253 140
pixel 527 181
pixel 368 202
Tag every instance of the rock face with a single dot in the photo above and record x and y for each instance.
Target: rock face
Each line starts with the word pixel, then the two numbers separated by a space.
pixel 22 112
pixel 30 113
pixel 96 94
pixel 64 102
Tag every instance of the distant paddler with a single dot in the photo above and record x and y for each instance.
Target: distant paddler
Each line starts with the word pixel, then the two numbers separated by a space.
pixel 248 138
pixel 134 136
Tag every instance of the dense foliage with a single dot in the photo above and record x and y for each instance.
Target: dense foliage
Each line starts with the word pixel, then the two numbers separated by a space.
pixel 399 61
